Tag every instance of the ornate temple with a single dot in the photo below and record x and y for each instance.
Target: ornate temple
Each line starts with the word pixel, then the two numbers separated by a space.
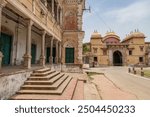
pixel 111 51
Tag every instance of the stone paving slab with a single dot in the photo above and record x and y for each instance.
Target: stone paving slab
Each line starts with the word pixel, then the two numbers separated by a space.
pixel 90 92
pixel 109 91
pixel 79 91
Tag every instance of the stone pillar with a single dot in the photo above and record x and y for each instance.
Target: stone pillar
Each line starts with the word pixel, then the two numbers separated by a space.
pixel 0 19
pixel 59 56
pixel 80 13
pixel 2 4
pixel 42 57
pixel 80 39
pixel 33 6
pixel 110 57
pixel 53 8
pixel 56 58
pixel 61 17
pixel 57 13
pixel 27 56
pixel 51 51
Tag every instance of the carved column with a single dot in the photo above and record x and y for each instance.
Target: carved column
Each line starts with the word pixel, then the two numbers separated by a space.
pixel 57 13
pixel 56 58
pixel 80 39
pixel 0 19
pixel 27 56
pixel 59 56
pixel 51 51
pixel 33 6
pixel 80 13
pixel 42 58
pixel 61 17
pixel 110 57
pixel 2 4
pixel 53 7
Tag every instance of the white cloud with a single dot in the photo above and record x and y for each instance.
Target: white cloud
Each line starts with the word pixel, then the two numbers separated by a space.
pixel 132 13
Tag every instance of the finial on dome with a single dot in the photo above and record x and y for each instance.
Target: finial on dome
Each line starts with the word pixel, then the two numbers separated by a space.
pixel 95 31
pixel 110 30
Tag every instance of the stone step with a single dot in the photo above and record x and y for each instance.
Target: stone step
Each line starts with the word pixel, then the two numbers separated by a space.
pixel 67 94
pixel 43 73
pixel 42 70
pixel 44 77
pixel 46 87
pixel 58 91
pixel 79 91
pixel 44 82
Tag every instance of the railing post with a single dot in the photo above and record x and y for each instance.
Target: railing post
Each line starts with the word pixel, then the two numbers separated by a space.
pixel 142 73
pixel 129 70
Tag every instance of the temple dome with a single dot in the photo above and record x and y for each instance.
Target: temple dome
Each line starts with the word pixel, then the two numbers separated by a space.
pixel 135 34
pixel 111 35
pixel 96 35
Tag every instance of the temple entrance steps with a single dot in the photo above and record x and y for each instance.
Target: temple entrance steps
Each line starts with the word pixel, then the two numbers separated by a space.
pixel 47 84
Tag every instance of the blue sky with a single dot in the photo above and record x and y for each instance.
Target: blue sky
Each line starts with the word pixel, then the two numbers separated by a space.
pixel 120 16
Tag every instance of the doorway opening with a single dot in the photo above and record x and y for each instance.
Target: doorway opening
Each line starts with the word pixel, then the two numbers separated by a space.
pixel 69 55
pixel 5 48
pixel 117 58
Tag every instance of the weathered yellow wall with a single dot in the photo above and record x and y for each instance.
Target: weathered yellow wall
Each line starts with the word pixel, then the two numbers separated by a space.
pixel 134 44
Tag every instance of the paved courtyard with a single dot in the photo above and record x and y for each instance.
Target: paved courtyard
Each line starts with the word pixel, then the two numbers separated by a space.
pixel 119 84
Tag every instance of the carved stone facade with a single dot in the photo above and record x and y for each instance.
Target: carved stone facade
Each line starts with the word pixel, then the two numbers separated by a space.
pixel 73 33
pixel 110 51
pixel 39 31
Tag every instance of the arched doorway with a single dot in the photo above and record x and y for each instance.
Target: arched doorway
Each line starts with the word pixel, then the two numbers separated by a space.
pixel 117 58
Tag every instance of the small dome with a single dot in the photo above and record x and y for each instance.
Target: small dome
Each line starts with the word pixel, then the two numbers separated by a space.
pixel 111 35
pixel 96 35
pixel 138 34
pixel 135 35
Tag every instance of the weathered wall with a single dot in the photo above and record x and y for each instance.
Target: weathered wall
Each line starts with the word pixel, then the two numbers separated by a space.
pixel 136 44
pixel 72 68
pixel 12 83
pixel 8 27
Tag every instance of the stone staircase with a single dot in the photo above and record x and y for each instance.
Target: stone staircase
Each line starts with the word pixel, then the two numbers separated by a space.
pixel 47 84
